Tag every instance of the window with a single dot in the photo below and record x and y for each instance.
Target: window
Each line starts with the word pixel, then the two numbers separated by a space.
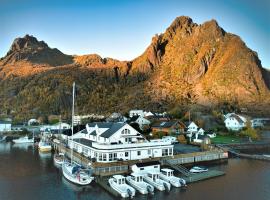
pixel 125 131
pixel 141 168
pixel 164 152
pixel 149 151
pixel 110 156
pixel 155 166
pixel 104 157
pixel 114 156
pixel 138 153
pixel 126 154
pixel 100 156
pixel 85 151
pixel 170 151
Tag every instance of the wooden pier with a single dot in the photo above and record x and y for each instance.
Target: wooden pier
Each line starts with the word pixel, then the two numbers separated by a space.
pixel 194 177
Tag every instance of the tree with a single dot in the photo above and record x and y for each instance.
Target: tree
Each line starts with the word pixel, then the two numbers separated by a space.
pixel 250 132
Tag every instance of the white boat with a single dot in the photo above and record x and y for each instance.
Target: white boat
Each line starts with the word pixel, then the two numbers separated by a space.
pixel 117 182
pixel 136 181
pixel 266 155
pixel 76 174
pixel 167 175
pixel 58 158
pixel 197 169
pixel 44 146
pixel 24 139
pixel 71 170
pixel 3 138
pixel 154 179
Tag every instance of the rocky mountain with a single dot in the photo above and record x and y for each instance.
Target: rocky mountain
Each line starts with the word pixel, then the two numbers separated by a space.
pixel 188 64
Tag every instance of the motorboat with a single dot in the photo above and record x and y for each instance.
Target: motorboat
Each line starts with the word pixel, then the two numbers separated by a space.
pixel 197 169
pixel 75 174
pixel 118 183
pixel 58 158
pixel 153 179
pixel 167 175
pixel 44 146
pixel 136 181
pixel 24 139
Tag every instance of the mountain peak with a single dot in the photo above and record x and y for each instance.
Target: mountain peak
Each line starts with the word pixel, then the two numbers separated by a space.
pixel 28 48
pixel 27 42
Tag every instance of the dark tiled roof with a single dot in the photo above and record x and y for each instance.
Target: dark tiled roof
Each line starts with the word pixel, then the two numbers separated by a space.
pixel 166 124
pixel 5 122
pixel 115 127
pixel 145 164
pixel 237 118
pixel 101 124
pixel 133 119
pixel 83 141
pixel 94 133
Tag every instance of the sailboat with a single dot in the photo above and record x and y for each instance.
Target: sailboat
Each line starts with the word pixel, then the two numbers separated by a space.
pixel 72 171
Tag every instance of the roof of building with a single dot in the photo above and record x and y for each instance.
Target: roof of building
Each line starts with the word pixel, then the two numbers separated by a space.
pixel 145 164
pixel 133 119
pixel 115 127
pixel 237 117
pixel 5 122
pixel 94 133
pixel 164 124
pixel 83 141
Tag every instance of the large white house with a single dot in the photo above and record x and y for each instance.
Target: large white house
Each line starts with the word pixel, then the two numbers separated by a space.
pixel 139 120
pixel 234 122
pixel 109 142
pixel 136 113
pixel 5 126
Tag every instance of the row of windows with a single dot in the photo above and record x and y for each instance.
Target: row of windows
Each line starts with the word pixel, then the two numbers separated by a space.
pixel 125 131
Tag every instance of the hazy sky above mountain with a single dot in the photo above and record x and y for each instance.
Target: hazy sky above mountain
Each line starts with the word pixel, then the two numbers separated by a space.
pixel 122 29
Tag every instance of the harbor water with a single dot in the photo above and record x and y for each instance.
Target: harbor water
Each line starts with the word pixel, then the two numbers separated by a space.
pixel 27 174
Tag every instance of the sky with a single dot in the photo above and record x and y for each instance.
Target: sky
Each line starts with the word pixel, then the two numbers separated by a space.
pixel 122 29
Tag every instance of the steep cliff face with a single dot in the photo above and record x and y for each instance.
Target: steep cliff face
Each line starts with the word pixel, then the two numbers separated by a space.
pixel 188 63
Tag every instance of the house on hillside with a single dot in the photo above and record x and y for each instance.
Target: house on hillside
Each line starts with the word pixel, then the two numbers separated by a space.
pixel 234 122
pixel 5 126
pixel 116 117
pixel 139 120
pixel 111 142
pixel 169 127
pixel 192 127
pixel 32 122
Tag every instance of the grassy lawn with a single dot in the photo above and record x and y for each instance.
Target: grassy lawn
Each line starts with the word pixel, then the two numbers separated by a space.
pixel 226 139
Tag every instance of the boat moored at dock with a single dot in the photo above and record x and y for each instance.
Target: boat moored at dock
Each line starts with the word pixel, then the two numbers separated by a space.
pixel 154 179
pixel 44 146
pixel 58 158
pixel 76 174
pixel 117 182
pixel 167 175
pixel 136 181
pixel 197 169
pixel 24 139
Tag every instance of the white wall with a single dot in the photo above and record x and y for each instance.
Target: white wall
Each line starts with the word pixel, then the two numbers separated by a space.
pixel 5 127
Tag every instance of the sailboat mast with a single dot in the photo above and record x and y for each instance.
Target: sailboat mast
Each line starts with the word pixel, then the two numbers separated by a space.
pixel 72 119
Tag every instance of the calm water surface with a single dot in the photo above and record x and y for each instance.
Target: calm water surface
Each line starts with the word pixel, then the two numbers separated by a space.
pixel 25 175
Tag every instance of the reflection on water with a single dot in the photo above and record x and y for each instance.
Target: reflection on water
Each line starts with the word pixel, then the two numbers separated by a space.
pixel 27 174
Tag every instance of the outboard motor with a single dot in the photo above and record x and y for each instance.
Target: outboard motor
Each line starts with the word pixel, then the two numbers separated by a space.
pixel 166 187
pixel 182 182
pixel 129 193
pixel 149 190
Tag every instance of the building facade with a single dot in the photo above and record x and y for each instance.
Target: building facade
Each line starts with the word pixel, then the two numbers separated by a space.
pixel 111 142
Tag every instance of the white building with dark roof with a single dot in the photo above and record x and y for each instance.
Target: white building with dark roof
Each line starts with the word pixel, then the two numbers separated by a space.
pixel 234 122
pixel 109 142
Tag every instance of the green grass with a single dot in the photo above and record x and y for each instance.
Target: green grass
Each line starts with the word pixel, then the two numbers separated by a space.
pixel 226 139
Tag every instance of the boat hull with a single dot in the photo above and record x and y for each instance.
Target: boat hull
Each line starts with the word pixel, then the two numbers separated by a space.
pixel 73 178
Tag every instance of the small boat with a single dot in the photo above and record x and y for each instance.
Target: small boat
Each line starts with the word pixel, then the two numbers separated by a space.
pixel 154 179
pixel 136 181
pixel 197 169
pixel 117 182
pixel 167 175
pixel 24 139
pixel 266 155
pixel 75 174
pixel 58 158
pixel 3 138
pixel 44 146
